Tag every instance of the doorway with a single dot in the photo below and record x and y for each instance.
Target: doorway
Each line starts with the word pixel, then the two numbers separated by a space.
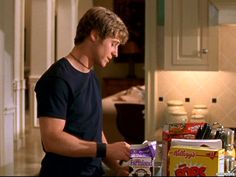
pixel 122 81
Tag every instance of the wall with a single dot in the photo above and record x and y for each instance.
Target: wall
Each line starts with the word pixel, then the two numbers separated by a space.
pixel 201 87
pixel 7 109
pixel 105 3
pixel 83 6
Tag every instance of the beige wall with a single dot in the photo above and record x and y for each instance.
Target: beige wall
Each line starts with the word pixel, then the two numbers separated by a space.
pixel 105 3
pixel 84 5
pixel 201 87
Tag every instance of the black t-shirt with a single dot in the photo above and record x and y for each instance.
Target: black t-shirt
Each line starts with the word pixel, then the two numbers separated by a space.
pixel 65 93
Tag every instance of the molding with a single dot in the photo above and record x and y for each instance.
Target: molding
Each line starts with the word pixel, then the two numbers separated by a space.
pixel 19 84
pixel 150 68
pixel 33 102
pixel 9 110
pixel 33 78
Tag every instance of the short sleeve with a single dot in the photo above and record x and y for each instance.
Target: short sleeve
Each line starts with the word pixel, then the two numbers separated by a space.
pixel 52 98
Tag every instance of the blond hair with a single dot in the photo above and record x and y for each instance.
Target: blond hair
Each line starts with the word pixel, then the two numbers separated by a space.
pixel 105 22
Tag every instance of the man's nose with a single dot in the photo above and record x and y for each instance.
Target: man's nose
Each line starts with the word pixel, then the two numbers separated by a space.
pixel 115 52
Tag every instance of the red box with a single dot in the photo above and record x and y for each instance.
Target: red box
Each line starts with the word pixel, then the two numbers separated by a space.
pixel 179 131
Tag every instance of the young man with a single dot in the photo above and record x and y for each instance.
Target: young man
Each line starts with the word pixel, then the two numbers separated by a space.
pixel 69 102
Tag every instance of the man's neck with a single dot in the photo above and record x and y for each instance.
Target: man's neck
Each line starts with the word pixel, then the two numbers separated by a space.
pixel 80 59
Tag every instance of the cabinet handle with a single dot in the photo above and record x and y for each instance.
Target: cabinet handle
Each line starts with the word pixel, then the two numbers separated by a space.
pixel 204 51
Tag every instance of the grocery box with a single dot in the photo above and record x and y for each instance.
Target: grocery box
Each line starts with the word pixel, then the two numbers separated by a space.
pixel 142 159
pixel 177 130
pixel 195 161
pixel 141 166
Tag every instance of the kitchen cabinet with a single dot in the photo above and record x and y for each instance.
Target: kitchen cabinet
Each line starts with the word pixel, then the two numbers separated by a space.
pixel 227 11
pixel 188 38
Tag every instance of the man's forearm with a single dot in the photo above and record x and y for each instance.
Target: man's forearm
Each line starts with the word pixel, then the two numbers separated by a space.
pixel 57 141
pixel 68 145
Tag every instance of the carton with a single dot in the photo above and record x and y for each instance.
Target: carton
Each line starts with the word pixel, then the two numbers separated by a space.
pixel 141 166
pixel 195 161
pixel 142 159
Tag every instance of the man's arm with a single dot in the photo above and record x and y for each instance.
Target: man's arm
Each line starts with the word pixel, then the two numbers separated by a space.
pixel 60 142
pixel 57 141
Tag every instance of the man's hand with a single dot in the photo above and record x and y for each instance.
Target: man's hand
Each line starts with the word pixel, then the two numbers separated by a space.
pixel 122 171
pixel 115 152
pixel 118 151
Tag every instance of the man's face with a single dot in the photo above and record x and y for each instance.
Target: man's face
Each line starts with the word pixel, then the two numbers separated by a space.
pixel 105 51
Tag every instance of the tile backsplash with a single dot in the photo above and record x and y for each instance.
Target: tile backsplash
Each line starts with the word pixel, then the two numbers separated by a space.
pixel 201 87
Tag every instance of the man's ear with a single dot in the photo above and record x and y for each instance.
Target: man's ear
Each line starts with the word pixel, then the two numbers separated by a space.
pixel 94 36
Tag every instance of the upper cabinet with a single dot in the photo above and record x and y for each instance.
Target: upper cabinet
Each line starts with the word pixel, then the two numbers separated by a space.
pixel 227 11
pixel 187 35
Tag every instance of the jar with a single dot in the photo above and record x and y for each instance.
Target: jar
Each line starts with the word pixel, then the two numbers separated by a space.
pixel 177 117
pixel 198 118
pixel 199 113
pixel 173 106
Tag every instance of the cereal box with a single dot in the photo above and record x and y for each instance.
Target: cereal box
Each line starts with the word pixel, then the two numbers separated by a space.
pixel 195 161
pixel 142 159
pixel 180 131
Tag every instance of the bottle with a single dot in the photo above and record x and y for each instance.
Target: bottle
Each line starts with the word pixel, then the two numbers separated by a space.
pixel 229 157
pixel 229 143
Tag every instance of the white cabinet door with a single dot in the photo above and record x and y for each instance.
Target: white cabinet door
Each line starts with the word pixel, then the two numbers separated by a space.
pixel 187 36
pixel 189 32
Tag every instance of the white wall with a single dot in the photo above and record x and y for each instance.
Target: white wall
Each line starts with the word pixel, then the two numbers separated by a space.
pixel 7 109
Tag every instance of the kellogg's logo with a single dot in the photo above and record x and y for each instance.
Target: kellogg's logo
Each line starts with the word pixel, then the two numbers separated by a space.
pixel 185 154
pixel 183 170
